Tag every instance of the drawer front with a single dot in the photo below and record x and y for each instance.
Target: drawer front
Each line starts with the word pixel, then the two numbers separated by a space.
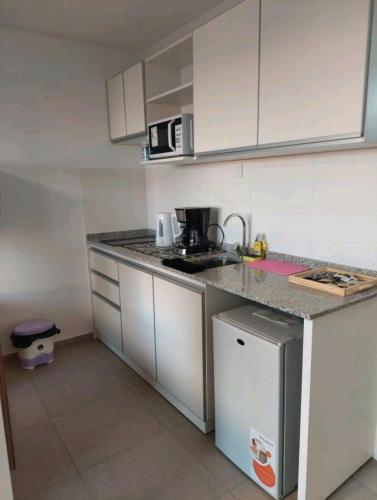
pixel 104 265
pixel 106 288
pixel 107 321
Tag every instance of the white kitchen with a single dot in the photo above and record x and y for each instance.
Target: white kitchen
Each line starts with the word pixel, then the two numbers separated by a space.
pixel 188 250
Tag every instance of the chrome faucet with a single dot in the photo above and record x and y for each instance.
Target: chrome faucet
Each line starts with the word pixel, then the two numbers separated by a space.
pixel 243 228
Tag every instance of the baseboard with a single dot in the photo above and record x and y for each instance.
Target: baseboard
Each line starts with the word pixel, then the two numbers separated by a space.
pixel 60 343
pixel 74 340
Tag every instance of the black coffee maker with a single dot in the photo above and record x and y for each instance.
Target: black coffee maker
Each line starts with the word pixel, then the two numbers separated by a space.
pixel 194 222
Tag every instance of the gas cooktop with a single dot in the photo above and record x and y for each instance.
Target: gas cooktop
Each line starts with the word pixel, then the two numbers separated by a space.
pixel 150 248
pixel 147 245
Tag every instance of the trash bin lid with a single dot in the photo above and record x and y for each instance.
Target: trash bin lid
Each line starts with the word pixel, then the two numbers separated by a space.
pixel 33 327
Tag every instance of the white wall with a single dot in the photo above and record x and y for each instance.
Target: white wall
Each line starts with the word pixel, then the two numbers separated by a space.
pixel 53 121
pixel 319 205
pixel 114 199
pixel 42 250
pixel 53 101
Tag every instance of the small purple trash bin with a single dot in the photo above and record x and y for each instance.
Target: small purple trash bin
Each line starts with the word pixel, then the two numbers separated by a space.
pixel 34 341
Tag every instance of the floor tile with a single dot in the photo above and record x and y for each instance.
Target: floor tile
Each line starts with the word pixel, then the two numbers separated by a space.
pixel 70 489
pixel 367 475
pixel 160 469
pixel 25 406
pixel 98 431
pixel 165 412
pixel 352 490
pixel 70 356
pixel 248 490
pixel 118 367
pixel 292 496
pixel 203 448
pixel 16 376
pixel 41 459
pixel 70 385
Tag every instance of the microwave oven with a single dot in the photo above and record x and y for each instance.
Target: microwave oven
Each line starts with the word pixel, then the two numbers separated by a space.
pixel 171 137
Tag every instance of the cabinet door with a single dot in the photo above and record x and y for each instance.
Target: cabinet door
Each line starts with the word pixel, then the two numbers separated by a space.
pixel 5 478
pixel 179 342
pixel 136 295
pixel 133 79
pixel 115 103
pixel 107 321
pixel 312 69
pixel 226 53
pixel 4 408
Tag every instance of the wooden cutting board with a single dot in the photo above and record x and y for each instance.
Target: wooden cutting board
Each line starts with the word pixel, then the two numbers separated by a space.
pixel 302 279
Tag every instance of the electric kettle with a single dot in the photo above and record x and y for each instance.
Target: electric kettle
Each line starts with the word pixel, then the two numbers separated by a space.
pixel 167 229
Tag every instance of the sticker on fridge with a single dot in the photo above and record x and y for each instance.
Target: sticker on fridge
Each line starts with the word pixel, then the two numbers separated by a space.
pixel 263 461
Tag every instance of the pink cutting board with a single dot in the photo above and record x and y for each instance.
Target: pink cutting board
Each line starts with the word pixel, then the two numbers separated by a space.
pixel 278 267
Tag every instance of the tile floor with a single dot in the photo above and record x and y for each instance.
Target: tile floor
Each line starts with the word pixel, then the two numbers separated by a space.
pixel 88 427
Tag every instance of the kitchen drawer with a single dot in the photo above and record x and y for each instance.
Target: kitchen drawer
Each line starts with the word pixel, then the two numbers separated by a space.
pixel 106 288
pixel 104 265
pixel 107 321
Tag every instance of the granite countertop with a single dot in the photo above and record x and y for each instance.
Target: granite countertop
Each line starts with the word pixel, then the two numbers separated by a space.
pixel 259 286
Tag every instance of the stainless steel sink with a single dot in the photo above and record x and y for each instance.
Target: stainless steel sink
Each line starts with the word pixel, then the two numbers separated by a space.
pixel 219 261
pixel 198 264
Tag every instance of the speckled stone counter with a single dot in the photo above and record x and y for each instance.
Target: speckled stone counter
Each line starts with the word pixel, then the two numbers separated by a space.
pixel 259 286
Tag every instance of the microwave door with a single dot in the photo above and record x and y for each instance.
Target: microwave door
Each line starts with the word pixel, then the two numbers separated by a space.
pixel 171 136
pixel 161 140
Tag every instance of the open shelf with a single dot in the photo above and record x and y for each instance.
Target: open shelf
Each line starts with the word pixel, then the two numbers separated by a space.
pixel 178 96
pixel 177 55
pixel 169 81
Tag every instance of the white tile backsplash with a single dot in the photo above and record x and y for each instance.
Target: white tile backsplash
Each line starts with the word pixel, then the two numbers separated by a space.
pixel 317 205
pixel 280 184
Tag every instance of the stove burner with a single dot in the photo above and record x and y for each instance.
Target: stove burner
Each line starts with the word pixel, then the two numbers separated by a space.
pixel 165 252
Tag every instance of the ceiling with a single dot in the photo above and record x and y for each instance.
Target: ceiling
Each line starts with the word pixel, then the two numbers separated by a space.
pixel 128 24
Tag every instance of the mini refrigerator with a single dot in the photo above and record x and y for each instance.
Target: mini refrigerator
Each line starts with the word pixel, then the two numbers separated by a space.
pixel 257 364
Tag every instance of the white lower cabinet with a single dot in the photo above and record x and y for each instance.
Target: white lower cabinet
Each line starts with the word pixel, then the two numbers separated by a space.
pixel 107 321
pixel 136 297
pixel 108 266
pixel 105 287
pixel 179 343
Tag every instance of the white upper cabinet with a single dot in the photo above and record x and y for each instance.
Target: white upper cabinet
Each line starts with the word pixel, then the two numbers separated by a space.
pixel 313 66
pixel 226 53
pixel 115 103
pixel 126 103
pixel 134 99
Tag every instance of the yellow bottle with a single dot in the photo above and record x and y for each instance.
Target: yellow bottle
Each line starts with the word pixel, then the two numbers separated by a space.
pixel 257 247
pixel 264 245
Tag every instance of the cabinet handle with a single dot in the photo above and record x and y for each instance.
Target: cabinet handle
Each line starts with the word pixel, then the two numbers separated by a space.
pixel 240 341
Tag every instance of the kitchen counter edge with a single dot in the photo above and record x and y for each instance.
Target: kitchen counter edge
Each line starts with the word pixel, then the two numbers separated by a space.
pixel 306 304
